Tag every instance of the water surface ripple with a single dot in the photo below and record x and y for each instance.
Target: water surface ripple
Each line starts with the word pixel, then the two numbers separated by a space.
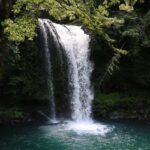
pixel 123 136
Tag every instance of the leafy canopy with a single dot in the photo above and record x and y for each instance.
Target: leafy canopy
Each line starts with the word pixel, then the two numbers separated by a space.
pixel 94 16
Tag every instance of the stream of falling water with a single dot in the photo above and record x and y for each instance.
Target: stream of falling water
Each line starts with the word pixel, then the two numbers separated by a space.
pixel 75 44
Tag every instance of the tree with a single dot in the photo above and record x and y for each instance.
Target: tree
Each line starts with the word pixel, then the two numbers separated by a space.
pixel 94 16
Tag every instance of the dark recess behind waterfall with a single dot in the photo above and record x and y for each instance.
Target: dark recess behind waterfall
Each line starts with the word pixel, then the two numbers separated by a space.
pixel 59 73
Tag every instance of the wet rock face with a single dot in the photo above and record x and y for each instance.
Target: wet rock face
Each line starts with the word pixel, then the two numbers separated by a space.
pixel 122 115
pixel 116 115
pixel 130 114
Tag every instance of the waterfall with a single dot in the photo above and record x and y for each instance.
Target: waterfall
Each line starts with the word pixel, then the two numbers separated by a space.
pixel 44 27
pixel 75 45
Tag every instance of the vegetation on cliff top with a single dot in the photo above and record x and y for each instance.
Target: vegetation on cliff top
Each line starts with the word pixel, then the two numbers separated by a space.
pixel 95 16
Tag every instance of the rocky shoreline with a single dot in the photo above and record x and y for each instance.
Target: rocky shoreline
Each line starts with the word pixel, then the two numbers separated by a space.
pixel 39 117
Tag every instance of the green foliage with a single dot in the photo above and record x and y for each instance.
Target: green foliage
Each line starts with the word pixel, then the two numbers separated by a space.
pixel 21 28
pixel 11 114
pixel 111 67
pixel 128 6
pixel 105 103
pixel 23 74
pixel 26 14
pixel 134 36
pixel 146 30
pixel 95 18
pixel 136 31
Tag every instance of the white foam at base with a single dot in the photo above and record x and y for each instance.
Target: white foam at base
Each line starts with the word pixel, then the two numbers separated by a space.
pixel 88 127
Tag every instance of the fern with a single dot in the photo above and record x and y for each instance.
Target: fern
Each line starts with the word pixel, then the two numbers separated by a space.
pixel 111 67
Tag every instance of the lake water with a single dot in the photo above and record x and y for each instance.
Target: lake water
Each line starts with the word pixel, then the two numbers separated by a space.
pixel 115 136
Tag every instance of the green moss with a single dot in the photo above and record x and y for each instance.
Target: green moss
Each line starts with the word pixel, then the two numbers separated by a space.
pixel 105 103
pixel 12 114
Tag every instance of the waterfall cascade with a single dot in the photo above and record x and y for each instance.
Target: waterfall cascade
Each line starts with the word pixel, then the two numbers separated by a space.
pixel 75 44
pixel 44 27
pixel 68 70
